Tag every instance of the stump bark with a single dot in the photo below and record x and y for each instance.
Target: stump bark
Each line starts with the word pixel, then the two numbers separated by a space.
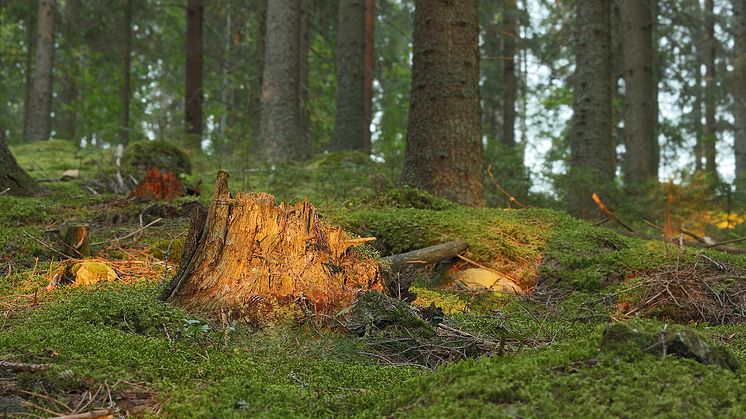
pixel 76 239
pixel 247 253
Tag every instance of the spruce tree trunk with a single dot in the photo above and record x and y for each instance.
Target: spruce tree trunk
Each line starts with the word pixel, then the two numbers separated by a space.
pixel 593 157
pixel 370 62
pixel 349 122
pixel 40 112
pixel 124 133
pixel 12 177
pixel 739 94
pixel 510 85
pixel 444 136
pixel 194 57
pixel 281 134
pixel 710 129
pixel 640 99
pixel 66 125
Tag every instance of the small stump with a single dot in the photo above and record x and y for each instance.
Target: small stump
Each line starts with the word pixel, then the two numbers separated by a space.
pixel 246 254
pixel 76 239
pixel 159 184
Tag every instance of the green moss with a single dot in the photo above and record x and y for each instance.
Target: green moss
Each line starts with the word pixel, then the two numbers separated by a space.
pixel 142 155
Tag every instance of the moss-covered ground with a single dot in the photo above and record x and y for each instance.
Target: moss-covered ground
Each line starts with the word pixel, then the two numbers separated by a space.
pixel 118 342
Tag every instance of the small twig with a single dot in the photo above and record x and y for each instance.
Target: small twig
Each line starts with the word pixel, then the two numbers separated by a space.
pixel 598 223
pixel 4 191
pixel 46 245
pixel 510 197
pixel 727 242
pixel 20 366
pixel 88 415
pixel 607 212
pixel 128 235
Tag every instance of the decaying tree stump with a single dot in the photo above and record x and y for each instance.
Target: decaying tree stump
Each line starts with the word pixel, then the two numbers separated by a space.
pixel 246 251
pixel 159 184
pixel 76 239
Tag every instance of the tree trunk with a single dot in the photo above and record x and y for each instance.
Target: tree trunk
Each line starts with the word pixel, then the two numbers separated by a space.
pixel 30 38
pixel 124 132
pixel 40 112
pixel 281 134
pixel 66 125
pixel 490 72
pixel 739 94
pixel 306 11
pixel 593 157
pixel 194 56
pixel 640 99
pixel 349 123
pixel 510 86
pixel 370 62
pixel 710 129
pixel 444 137
pixel 256 98
pixel 246 254
pixel 12 177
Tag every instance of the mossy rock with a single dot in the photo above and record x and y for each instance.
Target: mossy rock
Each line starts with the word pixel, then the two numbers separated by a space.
pixel 140 156
pixel 630 339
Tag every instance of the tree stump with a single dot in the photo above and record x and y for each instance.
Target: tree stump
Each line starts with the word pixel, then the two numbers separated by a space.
pixel 76 239
pixel 246 254
pixel 158 184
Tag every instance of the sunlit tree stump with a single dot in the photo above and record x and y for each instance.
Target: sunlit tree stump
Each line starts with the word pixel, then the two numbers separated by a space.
pixel 247 253
pixel 159 184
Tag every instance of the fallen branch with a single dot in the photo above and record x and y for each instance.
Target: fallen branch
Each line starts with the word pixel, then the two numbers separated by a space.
pixel 428 255
pixel 607 212
pixel 23 367
pixel 510 197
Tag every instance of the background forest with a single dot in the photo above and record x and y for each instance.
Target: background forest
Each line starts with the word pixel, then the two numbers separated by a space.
pixel 668 97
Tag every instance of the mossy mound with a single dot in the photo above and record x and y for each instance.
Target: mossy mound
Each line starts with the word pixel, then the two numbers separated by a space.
pixel 140 156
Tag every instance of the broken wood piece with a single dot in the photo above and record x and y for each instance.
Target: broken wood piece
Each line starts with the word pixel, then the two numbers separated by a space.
pixel 428 255
pixel 23 367
pixel 248 254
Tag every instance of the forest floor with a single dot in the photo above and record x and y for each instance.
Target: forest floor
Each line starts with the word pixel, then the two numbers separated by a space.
pixel 115 346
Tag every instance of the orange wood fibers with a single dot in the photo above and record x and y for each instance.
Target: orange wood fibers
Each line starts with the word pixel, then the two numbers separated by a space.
pixel 247 248
pixel 159 184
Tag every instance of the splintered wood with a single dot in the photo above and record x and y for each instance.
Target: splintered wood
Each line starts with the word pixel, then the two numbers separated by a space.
pixel 247 252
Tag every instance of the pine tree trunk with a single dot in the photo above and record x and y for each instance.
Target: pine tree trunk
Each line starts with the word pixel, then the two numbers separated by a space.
pixel 66 124
pixel 444 137
pixel 370 62
pixel 40 111
pixel 739 94
pixel 12 177
pixel 640 99
pixel 349 122
pixel 124 132
pixel 710 128
pixel 281 124
pixel 593 157
pixel 194 57
pixel 510 86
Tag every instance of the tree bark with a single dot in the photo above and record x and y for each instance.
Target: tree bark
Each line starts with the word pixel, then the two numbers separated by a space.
pixel 739 94
pixel 349 122
pixel 491 72
pixel 593 158
pixel 281 133
pixel 40 112
pixel 256 99
pixel 30 38
pixel 124 133
pixel 370 62
pixel 510 86
pixel 12 177
pixel 66 126
pixel 640 99
pixel 246 253
pixel 710 129
pixel 443 154
pixel 304 40
pixel 194 57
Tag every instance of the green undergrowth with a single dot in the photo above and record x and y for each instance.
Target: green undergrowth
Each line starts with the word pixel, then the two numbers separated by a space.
pixel 197 369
